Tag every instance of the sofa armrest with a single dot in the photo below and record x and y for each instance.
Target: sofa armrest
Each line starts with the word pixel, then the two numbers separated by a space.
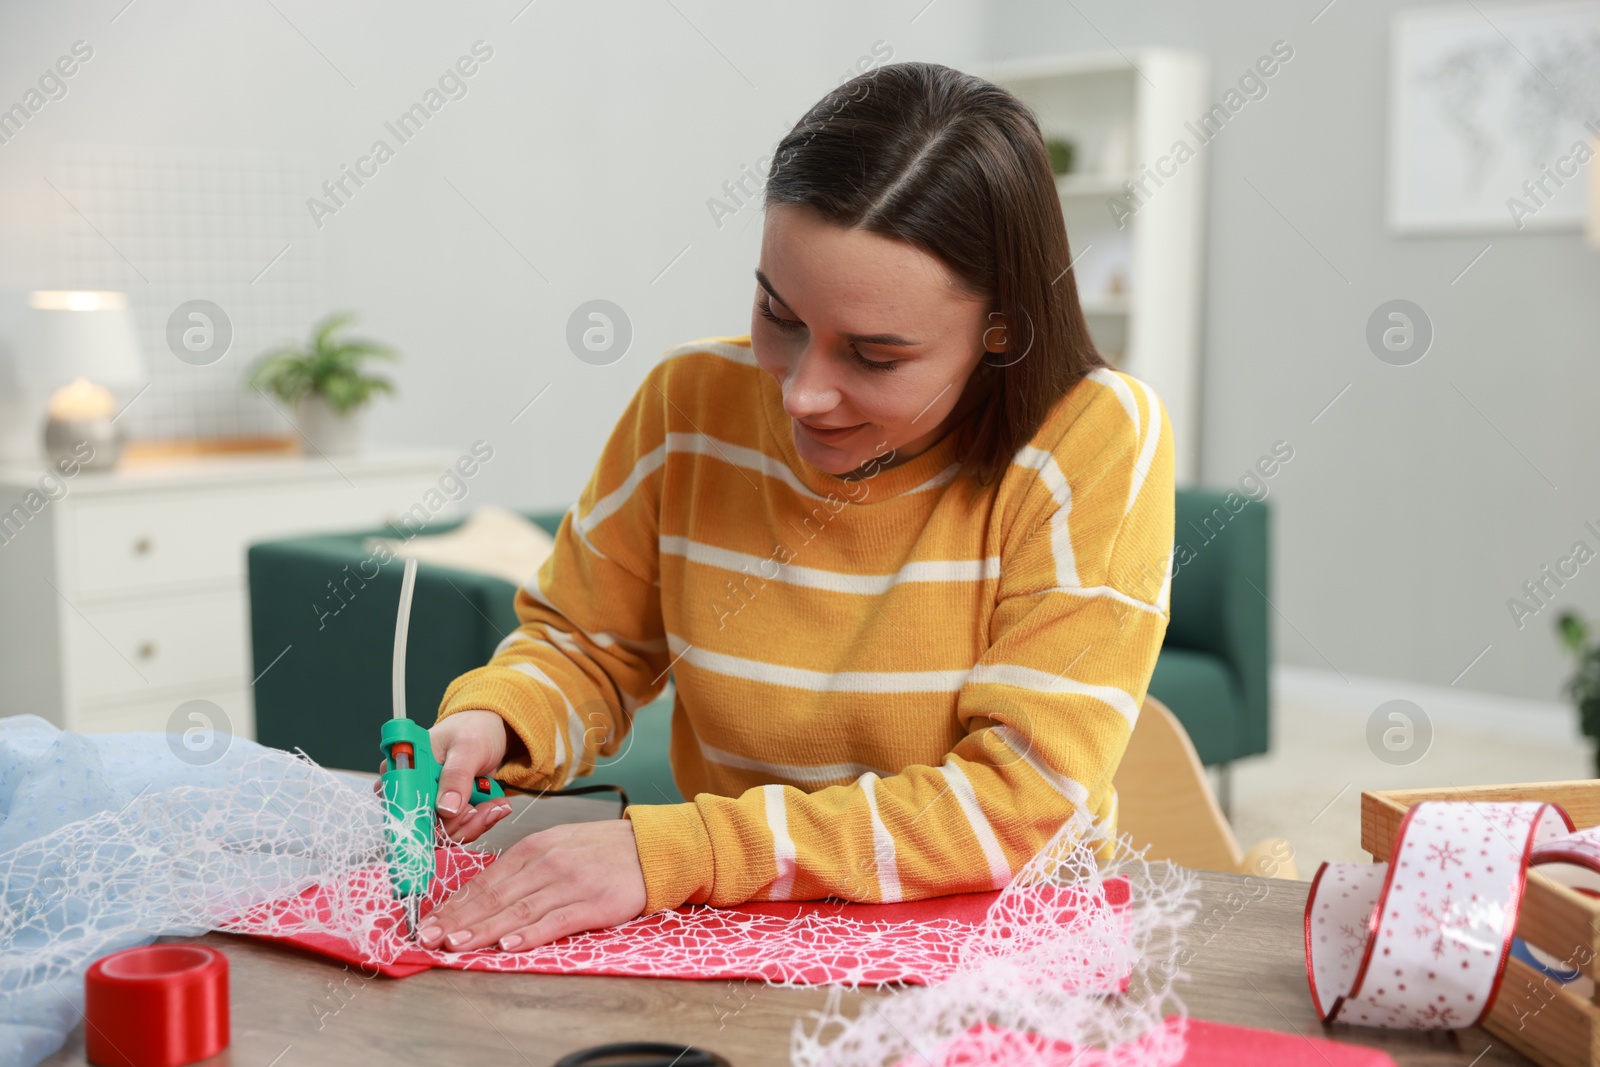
pixel 1219 598
pixel 322 616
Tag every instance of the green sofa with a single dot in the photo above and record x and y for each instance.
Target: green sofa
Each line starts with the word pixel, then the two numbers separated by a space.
pixel 324 662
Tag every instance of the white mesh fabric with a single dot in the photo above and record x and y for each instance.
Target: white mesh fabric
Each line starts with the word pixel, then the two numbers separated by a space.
pixel 111 840
pixel 1024 972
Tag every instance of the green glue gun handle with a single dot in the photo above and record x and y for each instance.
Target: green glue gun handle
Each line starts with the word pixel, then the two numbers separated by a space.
pixel 411 792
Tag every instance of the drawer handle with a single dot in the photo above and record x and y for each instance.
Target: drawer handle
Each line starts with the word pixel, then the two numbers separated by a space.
pixel 147 650
pixel 142 546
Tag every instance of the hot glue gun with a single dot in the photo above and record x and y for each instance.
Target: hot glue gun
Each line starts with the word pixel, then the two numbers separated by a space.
pixel 411 782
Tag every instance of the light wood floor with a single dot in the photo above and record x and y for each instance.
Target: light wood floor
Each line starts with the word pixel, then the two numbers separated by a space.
pixel 1308 788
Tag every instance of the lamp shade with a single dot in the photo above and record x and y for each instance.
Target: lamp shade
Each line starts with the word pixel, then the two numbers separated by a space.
pixel 82 334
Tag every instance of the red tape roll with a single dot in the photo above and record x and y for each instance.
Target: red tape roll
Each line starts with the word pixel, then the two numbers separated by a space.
pixel 156 1006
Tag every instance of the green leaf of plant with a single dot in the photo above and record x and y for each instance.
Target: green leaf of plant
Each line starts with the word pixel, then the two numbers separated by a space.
pixel 1574 632
pixel 328 365
pixel 329 326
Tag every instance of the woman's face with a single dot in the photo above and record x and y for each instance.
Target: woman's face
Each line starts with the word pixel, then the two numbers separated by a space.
pixel 874 346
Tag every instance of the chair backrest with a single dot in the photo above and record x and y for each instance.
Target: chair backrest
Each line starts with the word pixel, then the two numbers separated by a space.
pixel 1164 800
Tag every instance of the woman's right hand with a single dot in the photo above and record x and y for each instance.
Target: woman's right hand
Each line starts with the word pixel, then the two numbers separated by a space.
pixel 467 744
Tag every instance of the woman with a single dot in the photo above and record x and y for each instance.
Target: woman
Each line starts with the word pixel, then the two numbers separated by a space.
pixel 904 549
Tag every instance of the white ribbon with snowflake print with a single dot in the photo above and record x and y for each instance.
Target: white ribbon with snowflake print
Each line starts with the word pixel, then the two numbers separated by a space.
pixel 1421 942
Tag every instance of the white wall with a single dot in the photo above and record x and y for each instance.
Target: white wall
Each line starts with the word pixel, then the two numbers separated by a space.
pixel 596 133
pixel 591 141
pixel 1416 505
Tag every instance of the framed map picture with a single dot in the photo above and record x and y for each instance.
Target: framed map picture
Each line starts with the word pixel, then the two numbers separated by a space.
pixel 1494 120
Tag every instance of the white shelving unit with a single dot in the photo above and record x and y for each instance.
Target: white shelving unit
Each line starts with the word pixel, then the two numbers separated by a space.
pixel 1137 257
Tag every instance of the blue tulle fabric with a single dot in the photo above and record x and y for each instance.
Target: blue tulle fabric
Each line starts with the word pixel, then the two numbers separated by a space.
pixel 51 779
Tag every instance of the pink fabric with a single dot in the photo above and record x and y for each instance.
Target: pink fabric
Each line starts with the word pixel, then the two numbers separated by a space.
pixel 812 942
pixel 1208 1044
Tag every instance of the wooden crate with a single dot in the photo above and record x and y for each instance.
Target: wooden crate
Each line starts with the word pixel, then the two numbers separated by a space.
pixel 1533 1014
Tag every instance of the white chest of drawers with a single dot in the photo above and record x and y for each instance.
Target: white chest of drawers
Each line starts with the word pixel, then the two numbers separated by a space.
pixel 123 594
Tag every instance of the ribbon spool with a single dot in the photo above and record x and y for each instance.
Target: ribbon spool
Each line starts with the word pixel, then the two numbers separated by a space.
pixel 156 1006
pixel 1574 862
pixel 1421 942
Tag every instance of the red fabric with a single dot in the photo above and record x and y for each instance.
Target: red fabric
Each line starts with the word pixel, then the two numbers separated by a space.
pixel 916 941
pixel 1220 1045
pixel 1207 1044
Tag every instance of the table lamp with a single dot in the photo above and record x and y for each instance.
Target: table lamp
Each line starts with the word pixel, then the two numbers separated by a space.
pixel 82 346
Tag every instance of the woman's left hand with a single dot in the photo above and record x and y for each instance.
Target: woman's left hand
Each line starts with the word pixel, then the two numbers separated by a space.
pixel 560 881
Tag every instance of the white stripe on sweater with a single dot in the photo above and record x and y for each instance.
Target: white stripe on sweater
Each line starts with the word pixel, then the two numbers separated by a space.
pixel 1036 681
pixel 1074 791
pixel 883 848
pixel 701 444
pixel 512 638
pixel 580 533
pixel 613 501
pixel 574 725
pixel 609 640
pixel 946 475
pixel 563 640
pixel 745 355
pixel 816 681
pixel 1164 598
pixel 1110 593
pixel 1060 532
pixel 770 569
pixel 576 736
pixel 1011 674
pixel 601 638
pixel 1119 385
pixel 967 798
pixel 1148 452
pixel 825 774
pixel 783 850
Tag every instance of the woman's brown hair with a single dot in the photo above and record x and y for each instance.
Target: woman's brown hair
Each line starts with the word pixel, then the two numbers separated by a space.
pixel 956 166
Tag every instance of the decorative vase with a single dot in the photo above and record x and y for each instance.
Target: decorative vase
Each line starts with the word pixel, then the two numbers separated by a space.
pixel 64 440
pixel 331 433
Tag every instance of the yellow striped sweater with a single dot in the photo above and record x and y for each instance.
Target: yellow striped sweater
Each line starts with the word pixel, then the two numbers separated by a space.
pixel 886 688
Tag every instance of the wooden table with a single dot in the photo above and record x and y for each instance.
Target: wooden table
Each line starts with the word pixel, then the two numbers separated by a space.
pixel 1247 966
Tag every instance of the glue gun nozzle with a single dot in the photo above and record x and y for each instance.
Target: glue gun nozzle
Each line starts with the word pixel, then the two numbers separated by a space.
pixel 412 907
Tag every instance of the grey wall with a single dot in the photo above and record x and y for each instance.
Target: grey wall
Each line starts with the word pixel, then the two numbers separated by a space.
pixel 1425 497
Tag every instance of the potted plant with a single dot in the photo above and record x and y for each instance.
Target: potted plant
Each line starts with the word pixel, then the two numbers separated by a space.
pixel 1584 686
pixel 325 382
